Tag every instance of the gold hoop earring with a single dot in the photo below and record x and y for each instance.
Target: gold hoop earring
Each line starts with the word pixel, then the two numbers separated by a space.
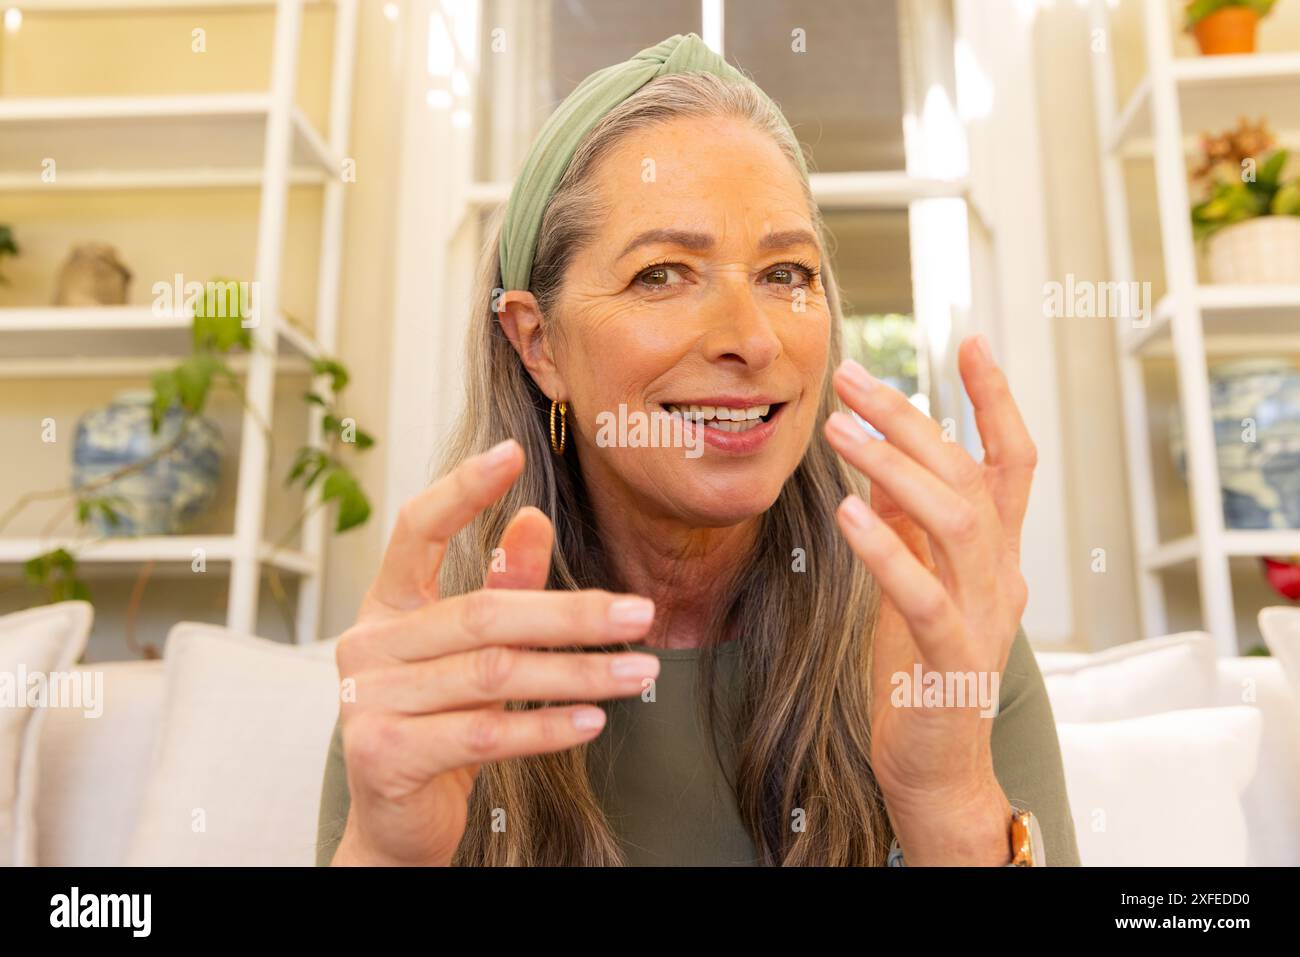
pixel 558 447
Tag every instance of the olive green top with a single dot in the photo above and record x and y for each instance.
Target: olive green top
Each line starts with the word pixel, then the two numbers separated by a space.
pixel 667 796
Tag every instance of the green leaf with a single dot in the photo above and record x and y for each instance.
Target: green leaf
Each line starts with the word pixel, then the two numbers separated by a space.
pixel 335 370
pixel 314 399
pixel 354 507
pixel 364 440
pixel 1287 201
pixel 1269 173
pixel 219 317
pixel 308 463
pixel 164 395
pixel 56 572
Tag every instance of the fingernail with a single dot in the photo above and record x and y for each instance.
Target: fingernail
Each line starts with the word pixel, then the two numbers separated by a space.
pixel 498 455
pixel 859 376
pixel 856 511
pixel 982 344
pixel 632 611
pixel 634 666
pixel 846 428
pixel 588 719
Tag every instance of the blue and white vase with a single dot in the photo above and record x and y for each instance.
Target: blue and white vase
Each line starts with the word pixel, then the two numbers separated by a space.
pixel 162 498
pixel 1256 409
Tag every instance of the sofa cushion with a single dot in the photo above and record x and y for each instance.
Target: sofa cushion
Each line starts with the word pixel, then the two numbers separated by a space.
pixel 93 773
pixel 38 649
pixel 236 774
pixel 1272 801
pixel 1162 790
pixel 1140 678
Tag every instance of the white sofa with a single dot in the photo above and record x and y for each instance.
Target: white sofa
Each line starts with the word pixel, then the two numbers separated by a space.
pixel 216 757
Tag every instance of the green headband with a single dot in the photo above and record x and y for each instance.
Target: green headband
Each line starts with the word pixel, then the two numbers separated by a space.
pixel 581 110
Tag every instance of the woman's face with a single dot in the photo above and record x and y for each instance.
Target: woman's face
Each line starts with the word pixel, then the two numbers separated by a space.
pixel 698 312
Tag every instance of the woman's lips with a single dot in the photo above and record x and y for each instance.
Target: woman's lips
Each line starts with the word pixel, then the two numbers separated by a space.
pixel 738 443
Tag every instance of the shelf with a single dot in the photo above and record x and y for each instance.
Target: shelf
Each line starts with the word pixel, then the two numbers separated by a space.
pixel 1212 90
pixel 102 6
pixel 1263 543
pixel 219 549
pixel 149 142
pixel 115 340
pixel 1237 320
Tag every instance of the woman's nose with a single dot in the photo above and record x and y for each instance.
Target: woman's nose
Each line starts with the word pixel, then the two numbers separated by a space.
pixel 740 327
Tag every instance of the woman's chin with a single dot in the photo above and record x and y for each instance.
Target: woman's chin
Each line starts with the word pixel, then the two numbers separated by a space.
pixel 721 507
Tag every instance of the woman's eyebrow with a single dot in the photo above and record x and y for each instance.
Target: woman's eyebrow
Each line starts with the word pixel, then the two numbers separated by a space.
pixel 787 238
pixel 698 242
pixel 702 242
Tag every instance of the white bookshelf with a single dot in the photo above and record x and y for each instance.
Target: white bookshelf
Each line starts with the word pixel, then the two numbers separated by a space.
pixel 1160 122
pixel 164 142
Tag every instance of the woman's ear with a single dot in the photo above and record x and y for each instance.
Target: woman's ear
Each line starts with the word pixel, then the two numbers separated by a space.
pixel 521 321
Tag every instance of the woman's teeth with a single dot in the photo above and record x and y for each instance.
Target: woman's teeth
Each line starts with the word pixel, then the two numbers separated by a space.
pixel 721 417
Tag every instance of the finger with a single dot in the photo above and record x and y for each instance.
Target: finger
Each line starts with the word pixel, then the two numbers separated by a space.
pixel 892 514
pixel 545 619
pixel 497 674
pixel 932 618
pixel 1009 452
pixel 955 525
pixel 432 744
pixel 408 576
pixel 523 558
pixel 906 427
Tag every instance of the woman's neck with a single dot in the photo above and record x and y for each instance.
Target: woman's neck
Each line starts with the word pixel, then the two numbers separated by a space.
pixel 684 569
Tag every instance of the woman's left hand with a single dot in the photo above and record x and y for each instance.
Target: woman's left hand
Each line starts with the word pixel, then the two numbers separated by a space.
pixel 942 538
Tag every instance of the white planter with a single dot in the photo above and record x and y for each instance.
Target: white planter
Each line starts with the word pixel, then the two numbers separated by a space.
pixel 1263 250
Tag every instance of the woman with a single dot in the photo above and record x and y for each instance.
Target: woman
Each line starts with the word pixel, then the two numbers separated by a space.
pixel 662 259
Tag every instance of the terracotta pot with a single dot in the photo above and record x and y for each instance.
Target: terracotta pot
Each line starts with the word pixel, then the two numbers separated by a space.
pixel 1230 30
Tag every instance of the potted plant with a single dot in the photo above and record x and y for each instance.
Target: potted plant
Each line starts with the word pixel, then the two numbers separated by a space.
pixel 1250 219
pixel 7 248
pixel 1225 26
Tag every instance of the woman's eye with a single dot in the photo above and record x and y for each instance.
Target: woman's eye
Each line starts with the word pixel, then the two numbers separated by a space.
pixel 790 274
pixel 659 276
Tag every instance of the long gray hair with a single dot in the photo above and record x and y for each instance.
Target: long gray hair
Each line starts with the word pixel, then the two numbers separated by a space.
pixel 803 781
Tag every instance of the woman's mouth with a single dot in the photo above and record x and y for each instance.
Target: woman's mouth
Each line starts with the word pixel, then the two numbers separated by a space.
pixel 734 425
pixel 725 418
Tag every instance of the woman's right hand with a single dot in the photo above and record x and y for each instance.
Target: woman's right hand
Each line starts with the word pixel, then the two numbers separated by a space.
pixel 425 679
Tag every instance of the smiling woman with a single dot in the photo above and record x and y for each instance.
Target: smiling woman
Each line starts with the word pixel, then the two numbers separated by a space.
pixel 662 255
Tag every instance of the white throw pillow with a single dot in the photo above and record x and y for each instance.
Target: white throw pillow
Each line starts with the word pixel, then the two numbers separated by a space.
pixel 1172 673
pixel 237 770
pixel 1280 627
pixel 1162 790
pixel 38 649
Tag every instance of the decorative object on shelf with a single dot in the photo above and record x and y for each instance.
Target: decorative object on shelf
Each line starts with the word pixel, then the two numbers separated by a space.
pixel 1225 26
pixel 1250 220
pixel 1256 409
pixel 92 275
pixel 1258 251
pixel 166 478
pixel 170 409
pixel 1283 575
pixel 7 248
